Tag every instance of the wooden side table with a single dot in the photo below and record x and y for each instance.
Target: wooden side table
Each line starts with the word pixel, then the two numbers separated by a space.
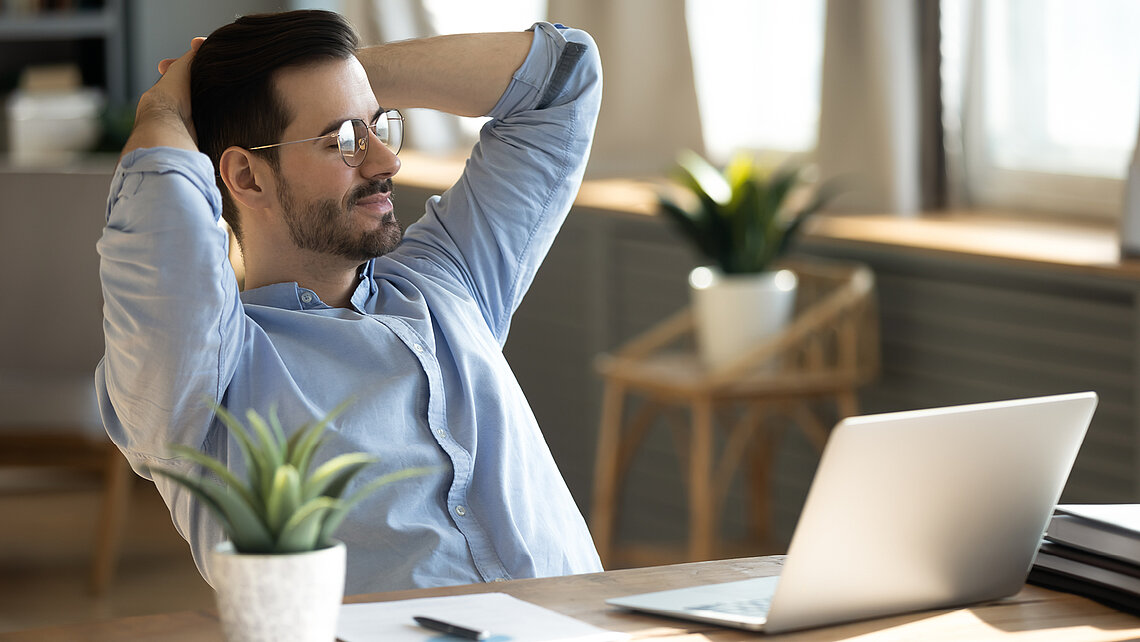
pixel 830 349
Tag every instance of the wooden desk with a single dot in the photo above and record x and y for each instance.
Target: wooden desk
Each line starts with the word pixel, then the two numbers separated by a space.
pixel 1032 614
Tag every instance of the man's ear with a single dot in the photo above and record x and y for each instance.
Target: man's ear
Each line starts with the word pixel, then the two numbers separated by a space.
pixel 247 177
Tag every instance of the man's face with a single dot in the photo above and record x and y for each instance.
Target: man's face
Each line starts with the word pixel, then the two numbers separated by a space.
pixel 329 207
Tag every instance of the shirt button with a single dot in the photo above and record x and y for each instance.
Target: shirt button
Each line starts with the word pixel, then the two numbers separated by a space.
pixel 442 433
pixel 460 510
pixel 307 298
pixel 418 348
pixel 500 579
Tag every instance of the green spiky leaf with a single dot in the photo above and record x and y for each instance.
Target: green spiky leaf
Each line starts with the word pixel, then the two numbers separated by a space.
pixel 218 468
pixel 259 467
pixel 299 451
pixel 303 530
pixel 271 445
pixel 284 498
pixel 691 225
pixel 331 477
pixel 239 519
pixel 704 179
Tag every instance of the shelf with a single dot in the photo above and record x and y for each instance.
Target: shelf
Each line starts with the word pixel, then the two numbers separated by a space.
pixel 93 23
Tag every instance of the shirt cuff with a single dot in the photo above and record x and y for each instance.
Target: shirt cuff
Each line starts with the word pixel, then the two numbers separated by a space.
pixel 539 73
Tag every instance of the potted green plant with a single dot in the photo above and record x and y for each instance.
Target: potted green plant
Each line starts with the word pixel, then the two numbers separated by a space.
pixel 743 220
pixel 280 575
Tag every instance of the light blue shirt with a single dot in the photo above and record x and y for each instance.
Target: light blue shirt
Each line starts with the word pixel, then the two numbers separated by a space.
pixel 420 348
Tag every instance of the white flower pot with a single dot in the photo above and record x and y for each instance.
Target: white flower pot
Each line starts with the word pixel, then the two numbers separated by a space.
pixel 295 596
pixel 736 311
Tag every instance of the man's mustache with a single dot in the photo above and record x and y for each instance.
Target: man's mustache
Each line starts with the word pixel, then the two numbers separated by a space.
pixel 370 188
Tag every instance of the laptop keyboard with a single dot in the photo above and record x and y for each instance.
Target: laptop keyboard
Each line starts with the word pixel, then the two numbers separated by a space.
pixel 752 608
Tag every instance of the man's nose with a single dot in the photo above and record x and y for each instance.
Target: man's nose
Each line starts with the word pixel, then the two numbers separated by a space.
pixel 380 161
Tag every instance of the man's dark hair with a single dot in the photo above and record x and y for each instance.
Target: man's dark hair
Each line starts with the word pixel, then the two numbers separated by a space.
pixel 232 96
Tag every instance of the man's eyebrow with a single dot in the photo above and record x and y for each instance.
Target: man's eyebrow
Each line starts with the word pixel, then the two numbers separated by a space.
pixel 335 126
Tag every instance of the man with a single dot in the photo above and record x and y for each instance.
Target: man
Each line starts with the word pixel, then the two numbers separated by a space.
pixel 303 149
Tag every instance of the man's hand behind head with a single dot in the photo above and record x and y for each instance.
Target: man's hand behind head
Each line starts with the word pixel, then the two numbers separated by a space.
pixel 164 64
pixel 163 115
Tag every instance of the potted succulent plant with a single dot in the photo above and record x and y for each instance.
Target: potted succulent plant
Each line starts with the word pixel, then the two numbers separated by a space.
pixel 742 220
pixel 281 574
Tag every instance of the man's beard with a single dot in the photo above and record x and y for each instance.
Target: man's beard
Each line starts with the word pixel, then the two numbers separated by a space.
pixel 325 226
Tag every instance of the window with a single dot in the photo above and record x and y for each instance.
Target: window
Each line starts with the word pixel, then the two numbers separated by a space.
pixel 757 68
pixel 1048 96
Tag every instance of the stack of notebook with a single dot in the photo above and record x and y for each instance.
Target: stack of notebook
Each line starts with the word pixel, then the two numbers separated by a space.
pixel 1093 550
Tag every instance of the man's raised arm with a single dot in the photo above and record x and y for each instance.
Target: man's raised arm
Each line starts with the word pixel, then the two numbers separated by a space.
pixel 171 314
pixel 461 74
pixel 542 90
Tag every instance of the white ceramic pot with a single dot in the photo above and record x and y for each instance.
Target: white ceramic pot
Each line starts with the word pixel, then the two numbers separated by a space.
pixel 736 311
pixel 279 597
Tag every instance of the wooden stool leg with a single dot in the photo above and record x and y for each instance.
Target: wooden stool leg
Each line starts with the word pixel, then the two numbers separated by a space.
pixel 760 489
pixel 809 424
pixel 702 513
pixel 606 470
pixel 116 497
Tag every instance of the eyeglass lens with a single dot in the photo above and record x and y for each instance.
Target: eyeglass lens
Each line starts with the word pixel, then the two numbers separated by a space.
pixel 352 138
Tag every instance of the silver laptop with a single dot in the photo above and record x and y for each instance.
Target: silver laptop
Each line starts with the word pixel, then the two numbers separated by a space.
pixel 908 511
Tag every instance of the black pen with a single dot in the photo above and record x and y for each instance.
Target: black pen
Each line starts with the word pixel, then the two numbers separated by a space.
pixel 450 629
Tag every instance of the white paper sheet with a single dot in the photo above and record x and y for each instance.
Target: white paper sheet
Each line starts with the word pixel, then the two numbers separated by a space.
pixel 505 617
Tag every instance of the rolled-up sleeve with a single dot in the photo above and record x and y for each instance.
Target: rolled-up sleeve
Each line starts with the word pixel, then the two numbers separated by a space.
pixel 492 229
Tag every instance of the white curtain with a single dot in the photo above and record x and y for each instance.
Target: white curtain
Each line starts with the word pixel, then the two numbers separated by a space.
pixel 649 104
pixel 870 125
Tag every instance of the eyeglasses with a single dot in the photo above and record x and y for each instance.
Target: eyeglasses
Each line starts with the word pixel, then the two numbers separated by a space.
pixel 352 137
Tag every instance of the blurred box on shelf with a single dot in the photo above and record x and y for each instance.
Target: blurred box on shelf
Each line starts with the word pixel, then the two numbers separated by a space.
pixel 51 119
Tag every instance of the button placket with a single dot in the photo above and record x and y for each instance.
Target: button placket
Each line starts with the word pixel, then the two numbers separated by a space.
pixel 486 559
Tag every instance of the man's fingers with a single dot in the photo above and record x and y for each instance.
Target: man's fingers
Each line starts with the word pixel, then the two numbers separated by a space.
pixel 165 63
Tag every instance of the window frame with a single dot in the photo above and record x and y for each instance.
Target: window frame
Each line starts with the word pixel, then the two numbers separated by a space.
pixel 989 185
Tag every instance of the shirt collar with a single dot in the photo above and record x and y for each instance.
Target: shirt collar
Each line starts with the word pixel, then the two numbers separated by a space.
pixel 365 288
pixel 290 296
